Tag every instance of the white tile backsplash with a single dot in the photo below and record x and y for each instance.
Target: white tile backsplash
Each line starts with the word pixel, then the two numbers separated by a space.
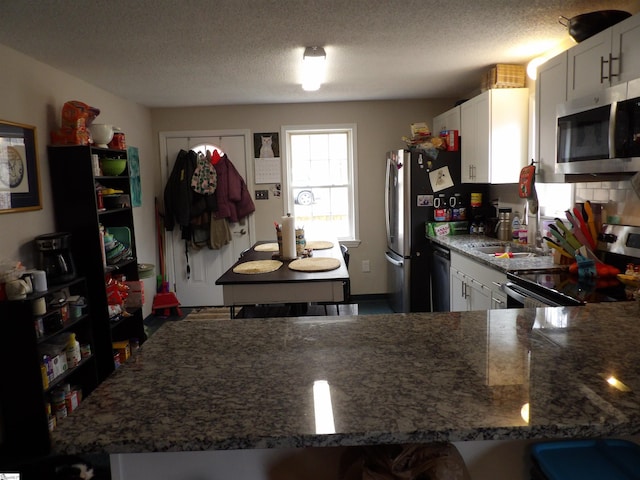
pixel 618 199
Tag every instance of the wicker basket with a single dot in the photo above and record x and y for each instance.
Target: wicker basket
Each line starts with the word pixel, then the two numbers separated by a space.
pixel 504 76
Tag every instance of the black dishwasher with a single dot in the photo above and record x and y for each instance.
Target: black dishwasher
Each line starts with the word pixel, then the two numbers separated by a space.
pixel 440 263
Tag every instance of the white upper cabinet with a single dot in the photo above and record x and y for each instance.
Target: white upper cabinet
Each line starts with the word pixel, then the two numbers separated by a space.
pixel 551 90
pixel 495 136
pixel 608 58
pixel 449 120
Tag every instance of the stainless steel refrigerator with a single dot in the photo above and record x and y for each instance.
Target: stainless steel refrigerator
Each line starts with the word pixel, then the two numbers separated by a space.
pixel 409 205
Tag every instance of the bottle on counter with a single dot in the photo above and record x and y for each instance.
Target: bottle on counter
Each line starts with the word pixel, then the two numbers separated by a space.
pixel 504 224
pixel 515 227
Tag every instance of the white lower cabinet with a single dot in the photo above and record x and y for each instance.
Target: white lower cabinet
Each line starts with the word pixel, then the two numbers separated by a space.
pixel 475 286
pixel 498 300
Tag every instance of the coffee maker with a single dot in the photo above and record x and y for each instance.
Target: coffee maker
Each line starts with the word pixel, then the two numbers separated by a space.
pixel 54 257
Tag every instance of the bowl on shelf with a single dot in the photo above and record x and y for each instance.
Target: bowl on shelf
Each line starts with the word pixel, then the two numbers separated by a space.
pixel 101 134
pixel 113 166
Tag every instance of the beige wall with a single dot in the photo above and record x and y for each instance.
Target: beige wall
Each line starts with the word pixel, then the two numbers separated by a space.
pixel 33 93
pixel 380 126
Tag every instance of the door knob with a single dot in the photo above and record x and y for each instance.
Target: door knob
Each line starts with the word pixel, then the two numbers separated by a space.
pixel 241 232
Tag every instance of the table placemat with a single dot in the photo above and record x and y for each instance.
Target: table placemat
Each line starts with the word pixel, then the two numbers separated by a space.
pixel 266 247
pixel 257 266
pixel 314 264
pixel 319 244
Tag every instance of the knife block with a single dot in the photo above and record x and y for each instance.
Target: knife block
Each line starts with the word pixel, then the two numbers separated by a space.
pixel 559 259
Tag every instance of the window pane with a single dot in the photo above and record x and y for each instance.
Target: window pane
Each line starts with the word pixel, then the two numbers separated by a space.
pixel 321 190
pixel 322 210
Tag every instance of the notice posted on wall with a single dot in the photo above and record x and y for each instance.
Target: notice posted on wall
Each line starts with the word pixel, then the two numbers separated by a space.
pixel 268 170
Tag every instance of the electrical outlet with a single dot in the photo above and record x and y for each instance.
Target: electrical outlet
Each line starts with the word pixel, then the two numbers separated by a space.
pixel 366 266
pixel 262 194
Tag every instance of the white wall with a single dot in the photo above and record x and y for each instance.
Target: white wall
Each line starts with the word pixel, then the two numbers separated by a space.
pixel 33 93
pixel 380 125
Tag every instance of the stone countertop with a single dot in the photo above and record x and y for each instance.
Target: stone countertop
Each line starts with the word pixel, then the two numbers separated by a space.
pixel 248 383
pixel 467 244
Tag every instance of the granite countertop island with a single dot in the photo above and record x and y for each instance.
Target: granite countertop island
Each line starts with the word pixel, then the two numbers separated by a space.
pixel 248 383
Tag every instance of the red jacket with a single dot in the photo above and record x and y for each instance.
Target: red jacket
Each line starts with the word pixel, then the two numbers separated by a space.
pixel 232 194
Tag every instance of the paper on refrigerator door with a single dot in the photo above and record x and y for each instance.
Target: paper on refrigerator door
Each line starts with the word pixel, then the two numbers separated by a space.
pixel 440 179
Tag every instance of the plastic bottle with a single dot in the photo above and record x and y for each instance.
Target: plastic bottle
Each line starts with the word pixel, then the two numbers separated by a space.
pixel 515 227
pixel 73 351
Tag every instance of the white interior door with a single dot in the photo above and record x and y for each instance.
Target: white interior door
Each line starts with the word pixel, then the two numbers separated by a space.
pixel 198 288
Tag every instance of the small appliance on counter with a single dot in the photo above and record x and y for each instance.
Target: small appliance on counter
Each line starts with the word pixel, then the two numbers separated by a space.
pixel 54 257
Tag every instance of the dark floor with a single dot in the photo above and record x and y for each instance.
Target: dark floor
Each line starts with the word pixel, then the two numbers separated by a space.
pixel 359 305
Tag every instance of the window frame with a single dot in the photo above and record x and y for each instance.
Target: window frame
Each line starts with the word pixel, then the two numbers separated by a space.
pixel 350 129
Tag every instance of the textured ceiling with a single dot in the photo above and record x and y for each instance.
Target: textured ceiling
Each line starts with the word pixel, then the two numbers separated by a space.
pixel 163 53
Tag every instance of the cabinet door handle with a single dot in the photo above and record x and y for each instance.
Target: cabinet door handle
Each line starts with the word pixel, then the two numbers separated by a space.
pixel 611 59
pixel 609 63
pixel 499 285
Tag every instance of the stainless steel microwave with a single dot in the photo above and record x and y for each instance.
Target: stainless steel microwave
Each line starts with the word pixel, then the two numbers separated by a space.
pixel 599 134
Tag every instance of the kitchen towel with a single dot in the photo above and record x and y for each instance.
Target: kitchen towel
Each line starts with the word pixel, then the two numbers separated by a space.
pixel 288 238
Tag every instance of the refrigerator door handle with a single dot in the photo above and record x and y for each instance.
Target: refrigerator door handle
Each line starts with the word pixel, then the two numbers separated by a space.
pixel 387 213
pixel 393 261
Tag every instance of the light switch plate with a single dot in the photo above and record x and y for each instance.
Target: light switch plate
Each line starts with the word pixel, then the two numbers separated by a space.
pixel 262 194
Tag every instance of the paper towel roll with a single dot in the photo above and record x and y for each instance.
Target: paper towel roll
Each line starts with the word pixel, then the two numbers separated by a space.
pixel 288 237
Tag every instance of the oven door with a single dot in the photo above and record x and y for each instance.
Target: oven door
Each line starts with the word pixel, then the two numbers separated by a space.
pixel 521 297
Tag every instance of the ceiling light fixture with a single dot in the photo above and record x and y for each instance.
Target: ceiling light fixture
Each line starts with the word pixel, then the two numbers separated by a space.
pixel 313 66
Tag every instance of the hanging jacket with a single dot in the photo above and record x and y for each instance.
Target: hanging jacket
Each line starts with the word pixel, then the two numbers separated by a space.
pixel 232 194
pixel 178 194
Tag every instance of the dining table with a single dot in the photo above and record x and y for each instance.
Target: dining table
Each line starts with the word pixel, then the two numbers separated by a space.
pixel 286 285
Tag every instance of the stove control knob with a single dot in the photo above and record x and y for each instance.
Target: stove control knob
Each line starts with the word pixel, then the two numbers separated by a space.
pixel 607 237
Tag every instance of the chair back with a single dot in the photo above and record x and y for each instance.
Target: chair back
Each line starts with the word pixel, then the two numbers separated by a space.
pixel 345 254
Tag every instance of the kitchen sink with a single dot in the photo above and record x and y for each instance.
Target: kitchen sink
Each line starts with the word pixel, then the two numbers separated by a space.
pixel 517 252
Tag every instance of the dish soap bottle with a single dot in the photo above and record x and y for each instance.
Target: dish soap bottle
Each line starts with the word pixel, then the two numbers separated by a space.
pixel 72 351
pixel 515 227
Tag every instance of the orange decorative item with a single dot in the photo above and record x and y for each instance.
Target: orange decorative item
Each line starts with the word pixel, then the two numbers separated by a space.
pixel 76 117
pixel 118 141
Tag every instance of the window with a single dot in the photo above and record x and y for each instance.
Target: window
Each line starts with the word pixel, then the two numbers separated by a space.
pixel 555 198
pixel 320 187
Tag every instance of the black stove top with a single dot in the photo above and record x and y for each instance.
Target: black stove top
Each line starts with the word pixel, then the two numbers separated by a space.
pixel 618 246
pixel 565 286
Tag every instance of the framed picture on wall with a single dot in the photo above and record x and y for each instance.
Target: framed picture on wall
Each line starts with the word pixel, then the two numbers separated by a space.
pixel 266 153
pixel 19 177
